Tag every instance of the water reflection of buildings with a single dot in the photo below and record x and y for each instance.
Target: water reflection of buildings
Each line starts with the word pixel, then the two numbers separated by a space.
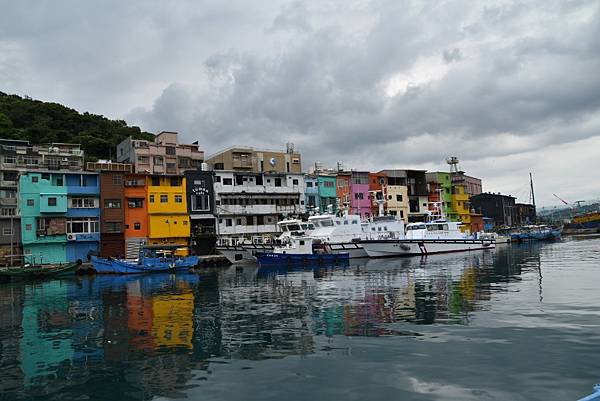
pixel 148 336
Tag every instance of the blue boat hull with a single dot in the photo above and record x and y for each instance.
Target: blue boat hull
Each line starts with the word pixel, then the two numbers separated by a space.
pixel 291 258
pixel 149 265
pixel 549 235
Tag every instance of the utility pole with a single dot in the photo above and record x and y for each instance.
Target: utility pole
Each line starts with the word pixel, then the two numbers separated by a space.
pixel 532 193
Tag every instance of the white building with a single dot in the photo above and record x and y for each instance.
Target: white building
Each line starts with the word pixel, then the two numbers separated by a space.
pixel 251 203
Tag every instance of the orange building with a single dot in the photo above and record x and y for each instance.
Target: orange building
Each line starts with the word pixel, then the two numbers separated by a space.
pixel 136 213
pixel 376 182
pixel 343 190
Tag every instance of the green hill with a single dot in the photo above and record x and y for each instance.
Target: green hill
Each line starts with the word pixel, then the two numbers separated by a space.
pixel 43 122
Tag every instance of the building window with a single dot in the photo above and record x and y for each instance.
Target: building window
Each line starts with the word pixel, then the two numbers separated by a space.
pixel 28 227
pixel 178 199
pixel 137 226
pixel 112 203
pixel 112 227
pixel 83 225
pixel 143 159
pixel 34 179
pixel 185 223
pixel 6 231
pixel 238 222
pixel 227 181
pixel 170 150
pixel 59 181
pixel 10 159
pixel 117 179
pixel 277 182
pixel 175 181
pixel 358 195
pixel 158 161
pixel 170 166
pixel 155 181
pixel 135 203
pixel 328 184
pixel 294 182
pixel 309 184
pixel 228 222
pixel 80 203
pixel 30 202
pixel 219 166
pixel 200 203
pixel 398 198
pixel 164 198
pixel 151 198
pixel 51 201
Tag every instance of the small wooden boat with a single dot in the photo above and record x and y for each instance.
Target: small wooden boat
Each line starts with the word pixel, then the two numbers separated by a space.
pixel 536 233
pixel 35 271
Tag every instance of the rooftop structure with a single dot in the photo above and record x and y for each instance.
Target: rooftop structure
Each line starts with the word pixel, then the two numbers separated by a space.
pixel 164 156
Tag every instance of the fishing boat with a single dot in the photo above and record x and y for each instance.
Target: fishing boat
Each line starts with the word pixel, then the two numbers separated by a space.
pixel 152 259
pixel 29 271
pixel 438 236
pixel 299 250
pixel 536 233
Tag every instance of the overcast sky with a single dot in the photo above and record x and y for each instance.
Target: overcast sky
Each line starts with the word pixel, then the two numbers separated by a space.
pixel 509 87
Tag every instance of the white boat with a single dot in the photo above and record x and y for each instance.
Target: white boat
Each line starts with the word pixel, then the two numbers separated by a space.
pixel 437 236
pixel 244 252
pixel 344 234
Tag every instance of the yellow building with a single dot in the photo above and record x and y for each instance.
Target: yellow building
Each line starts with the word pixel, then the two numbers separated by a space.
pixel 397 201
pixel 172 319
pixel 461 206
pixel 168 218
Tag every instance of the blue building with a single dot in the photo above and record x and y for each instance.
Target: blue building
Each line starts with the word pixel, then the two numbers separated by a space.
pixel 83 215
pixel 311 194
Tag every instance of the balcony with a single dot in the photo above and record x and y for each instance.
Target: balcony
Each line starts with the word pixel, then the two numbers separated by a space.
pixel 242 164
pixel 256 189
pixel 246 230
pixel 257 209
pixel 8 201
pixel 8 183
pixel 83 190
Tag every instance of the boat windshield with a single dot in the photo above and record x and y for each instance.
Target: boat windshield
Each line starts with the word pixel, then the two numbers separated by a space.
pixel 416 227
pixel 294 227
pixel 324 222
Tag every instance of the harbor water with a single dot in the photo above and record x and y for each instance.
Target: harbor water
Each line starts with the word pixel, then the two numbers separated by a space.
pixel 518 323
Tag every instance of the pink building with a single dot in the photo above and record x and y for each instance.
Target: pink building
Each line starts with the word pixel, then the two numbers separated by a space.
pixel 360 202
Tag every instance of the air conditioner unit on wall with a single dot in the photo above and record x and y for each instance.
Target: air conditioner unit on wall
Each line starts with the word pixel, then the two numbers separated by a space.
pixel 71 237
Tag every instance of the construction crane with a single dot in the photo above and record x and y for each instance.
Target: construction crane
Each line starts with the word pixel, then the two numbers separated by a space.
pixel 561 199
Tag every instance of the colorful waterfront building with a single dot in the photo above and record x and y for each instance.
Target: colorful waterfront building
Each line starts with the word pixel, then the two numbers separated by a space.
pixel 43 199
pixel 327 193
pixel 439 186
pixel 136 214
pixel 397 193
pixel 377 185
pixel 461 207
pixel 360 201
pixel 343 190
pixel 112 206
pixel 168 218
pixel 311 194
pixel 83 215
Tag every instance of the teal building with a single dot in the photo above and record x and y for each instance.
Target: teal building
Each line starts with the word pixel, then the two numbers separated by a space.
pixel 43 203
pixel 327 193
pixel 60 216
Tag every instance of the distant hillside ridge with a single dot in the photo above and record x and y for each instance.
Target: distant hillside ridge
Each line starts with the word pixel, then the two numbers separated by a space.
pixel 44 122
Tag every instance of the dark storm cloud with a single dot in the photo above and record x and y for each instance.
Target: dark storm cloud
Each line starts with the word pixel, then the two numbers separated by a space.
pixel 374 83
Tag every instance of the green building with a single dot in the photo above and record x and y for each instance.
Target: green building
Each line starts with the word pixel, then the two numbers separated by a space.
pixel 440 191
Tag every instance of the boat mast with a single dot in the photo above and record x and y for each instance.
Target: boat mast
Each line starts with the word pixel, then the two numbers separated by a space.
pixel 532 193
